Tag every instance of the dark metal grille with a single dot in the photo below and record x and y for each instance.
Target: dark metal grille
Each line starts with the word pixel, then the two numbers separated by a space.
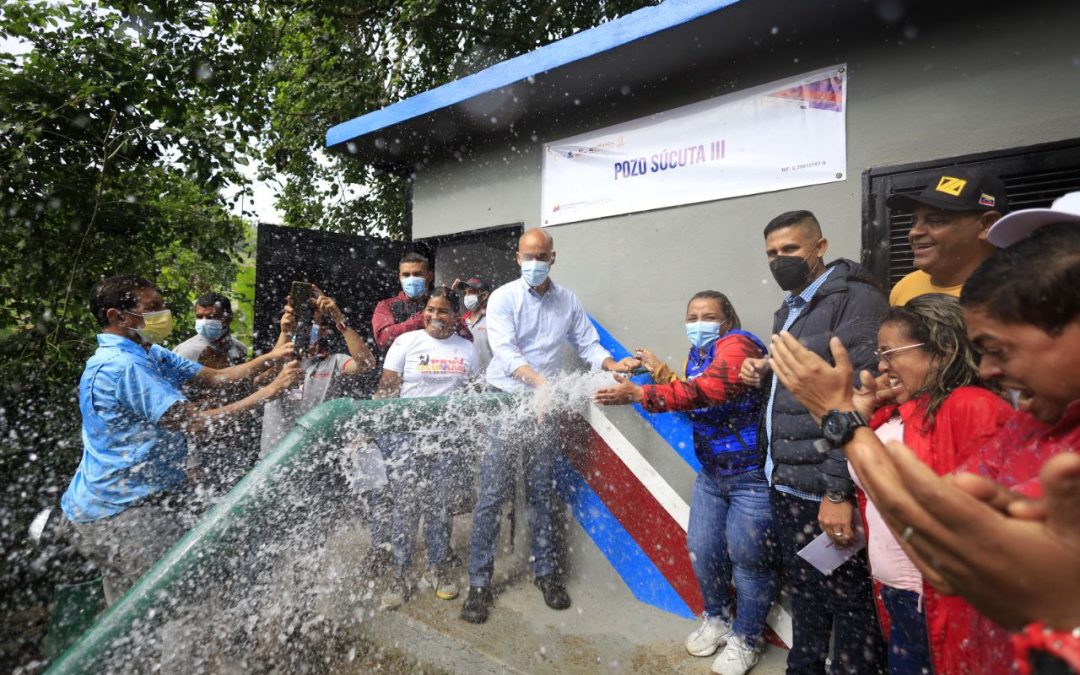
pixel 1034 177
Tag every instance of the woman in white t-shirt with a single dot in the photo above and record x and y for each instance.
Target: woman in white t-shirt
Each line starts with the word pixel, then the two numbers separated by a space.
pixel 435 361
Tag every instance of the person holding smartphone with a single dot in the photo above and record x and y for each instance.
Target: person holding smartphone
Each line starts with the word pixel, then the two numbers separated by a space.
pixel 321 369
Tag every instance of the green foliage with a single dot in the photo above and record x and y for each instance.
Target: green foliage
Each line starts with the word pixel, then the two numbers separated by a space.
pixel 321 62
pixel 113 149
pixel 122 124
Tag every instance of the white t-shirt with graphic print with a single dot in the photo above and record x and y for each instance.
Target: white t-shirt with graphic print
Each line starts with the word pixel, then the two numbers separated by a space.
pixel 432 367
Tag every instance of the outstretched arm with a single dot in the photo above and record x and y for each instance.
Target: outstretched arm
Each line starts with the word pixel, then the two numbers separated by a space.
pixel 186 417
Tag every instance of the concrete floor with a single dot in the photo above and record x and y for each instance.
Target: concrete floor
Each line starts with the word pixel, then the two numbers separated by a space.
pixel 606 630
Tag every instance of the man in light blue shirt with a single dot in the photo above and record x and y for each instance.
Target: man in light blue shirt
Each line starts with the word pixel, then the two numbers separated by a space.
pixel 124 499
pixel 529 321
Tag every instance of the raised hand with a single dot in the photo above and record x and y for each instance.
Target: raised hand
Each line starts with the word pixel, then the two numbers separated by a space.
pixel 817 385
pixel 753 372
pixel 623 393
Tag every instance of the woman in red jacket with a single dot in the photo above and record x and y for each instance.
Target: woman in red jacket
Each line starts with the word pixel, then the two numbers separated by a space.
pixel 940 407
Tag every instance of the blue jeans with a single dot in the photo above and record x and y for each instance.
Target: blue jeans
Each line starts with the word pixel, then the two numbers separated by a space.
pixel 909 645
pixel 538 446
pixel 730 539
pixel 416 467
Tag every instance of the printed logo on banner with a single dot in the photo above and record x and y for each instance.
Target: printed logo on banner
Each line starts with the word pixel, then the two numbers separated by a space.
pixel 744 143
pixel 824 94
pixel 951 186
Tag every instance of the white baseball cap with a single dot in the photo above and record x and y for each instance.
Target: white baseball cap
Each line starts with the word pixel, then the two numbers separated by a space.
pixel 1020 224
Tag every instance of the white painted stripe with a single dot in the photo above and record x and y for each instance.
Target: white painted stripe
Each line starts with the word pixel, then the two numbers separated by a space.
pixel 659 488
pixel 779 618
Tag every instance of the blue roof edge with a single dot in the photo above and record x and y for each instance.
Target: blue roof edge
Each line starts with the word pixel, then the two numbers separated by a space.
pixel 617 32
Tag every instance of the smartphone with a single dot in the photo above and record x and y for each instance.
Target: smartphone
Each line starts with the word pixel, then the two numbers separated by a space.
pixel 303 313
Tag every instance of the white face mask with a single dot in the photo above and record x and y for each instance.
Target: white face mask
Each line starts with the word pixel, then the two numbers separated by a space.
pixel 472 302
pixel 535 272
pixel 211 329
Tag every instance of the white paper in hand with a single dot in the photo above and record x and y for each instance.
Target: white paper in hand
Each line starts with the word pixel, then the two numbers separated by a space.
pixel 826 556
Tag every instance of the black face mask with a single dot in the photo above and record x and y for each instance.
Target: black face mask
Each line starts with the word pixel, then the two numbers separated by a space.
pixel 790 271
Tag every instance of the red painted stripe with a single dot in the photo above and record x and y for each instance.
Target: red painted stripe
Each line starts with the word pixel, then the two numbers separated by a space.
pixel 657 534
pixel 661 538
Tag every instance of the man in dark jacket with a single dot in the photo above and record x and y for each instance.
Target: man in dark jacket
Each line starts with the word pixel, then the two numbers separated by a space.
pixel 813 492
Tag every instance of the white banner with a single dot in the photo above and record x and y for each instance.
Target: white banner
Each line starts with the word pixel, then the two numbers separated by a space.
pixel 781 135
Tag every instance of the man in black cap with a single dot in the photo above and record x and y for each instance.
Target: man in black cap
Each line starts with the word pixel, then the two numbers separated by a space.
pixel 475 292
pixel 948 230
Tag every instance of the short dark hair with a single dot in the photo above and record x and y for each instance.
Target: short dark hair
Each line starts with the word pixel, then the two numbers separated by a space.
pixel 1034 281
pixel 215 300
pixel 119 292
pixel 725 306
pixel 803 218
pixel 449 295
pixel 414 257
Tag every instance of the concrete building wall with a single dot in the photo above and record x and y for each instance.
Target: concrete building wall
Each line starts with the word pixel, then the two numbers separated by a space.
pixel 1008 79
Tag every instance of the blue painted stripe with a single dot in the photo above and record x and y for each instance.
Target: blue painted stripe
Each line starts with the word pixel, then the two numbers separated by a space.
pixel 587 43
pixel 634 567
pixel 673 427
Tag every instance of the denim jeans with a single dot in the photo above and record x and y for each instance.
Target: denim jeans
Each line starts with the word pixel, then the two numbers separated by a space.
pixel 909 644
pixel 841 602
pixel 416 466
pixel 730 539
pixel 538 445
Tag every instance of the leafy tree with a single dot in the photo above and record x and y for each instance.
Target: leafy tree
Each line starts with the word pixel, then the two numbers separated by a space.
pixel 114 144
pixel 124 122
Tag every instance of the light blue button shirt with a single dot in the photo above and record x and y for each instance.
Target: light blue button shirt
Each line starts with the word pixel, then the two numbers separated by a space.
pixel 796 304
pixel 527 328
pixel 123 393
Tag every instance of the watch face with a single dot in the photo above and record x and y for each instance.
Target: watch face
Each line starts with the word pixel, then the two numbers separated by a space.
pixel 832 427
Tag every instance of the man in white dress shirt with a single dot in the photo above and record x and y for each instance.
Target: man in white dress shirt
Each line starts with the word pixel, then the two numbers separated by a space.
pixel 528 320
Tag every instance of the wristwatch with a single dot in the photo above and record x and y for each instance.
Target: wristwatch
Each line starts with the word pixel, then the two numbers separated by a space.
pixel 838 427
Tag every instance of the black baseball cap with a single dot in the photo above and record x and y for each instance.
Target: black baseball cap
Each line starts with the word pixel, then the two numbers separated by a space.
pixel 957 189
pixel 478 285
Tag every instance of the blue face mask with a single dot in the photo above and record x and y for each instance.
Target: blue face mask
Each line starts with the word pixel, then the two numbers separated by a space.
pixel 535 272
pixel 314 335
pixel 414 287
pixel 703 333
pixel 210 329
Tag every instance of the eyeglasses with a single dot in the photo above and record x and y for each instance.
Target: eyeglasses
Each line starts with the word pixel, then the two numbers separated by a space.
pixel 887 355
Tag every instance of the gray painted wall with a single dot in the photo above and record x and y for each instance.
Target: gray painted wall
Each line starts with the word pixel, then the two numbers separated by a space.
pixel 1010 79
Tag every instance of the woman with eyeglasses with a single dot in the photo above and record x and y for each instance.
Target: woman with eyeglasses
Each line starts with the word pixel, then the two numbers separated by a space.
pixel 931 397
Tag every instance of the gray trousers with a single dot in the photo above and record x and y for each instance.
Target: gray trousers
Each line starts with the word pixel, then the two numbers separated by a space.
pixel 123 547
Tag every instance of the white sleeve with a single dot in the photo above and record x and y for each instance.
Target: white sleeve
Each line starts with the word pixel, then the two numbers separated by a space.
pixel 474 360
pixel 584 338
pixel 395 357
pixel 501 332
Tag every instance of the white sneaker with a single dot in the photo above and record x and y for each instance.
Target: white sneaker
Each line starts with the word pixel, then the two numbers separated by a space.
pixel 395 595
pixel 710 636
pixel 737 658
pixel 441 583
